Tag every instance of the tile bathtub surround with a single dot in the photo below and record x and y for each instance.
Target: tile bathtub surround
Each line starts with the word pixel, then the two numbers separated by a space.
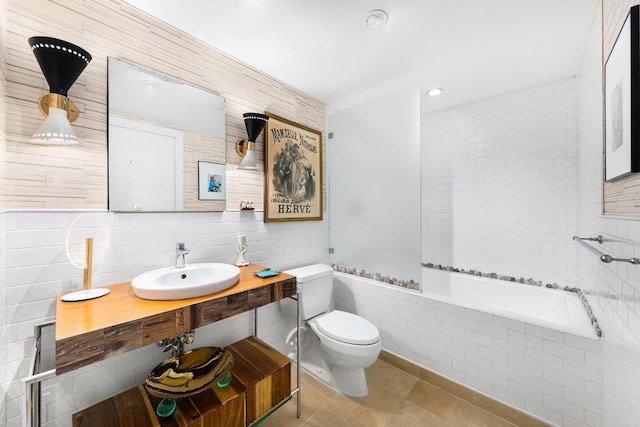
pixel 37 269
pixel 499 183
pixel 549 374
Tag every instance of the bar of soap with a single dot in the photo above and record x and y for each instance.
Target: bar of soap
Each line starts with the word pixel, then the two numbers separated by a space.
pixel 267 272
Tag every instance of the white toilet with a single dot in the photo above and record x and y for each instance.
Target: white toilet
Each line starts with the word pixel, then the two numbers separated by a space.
pixel 340 344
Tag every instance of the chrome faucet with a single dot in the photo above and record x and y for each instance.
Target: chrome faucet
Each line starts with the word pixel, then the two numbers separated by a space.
pixel 180 253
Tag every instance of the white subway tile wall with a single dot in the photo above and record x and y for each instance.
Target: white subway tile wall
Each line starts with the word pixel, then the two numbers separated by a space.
pixel 37 269
pixel 549 374
pixel 3 319
pixel 499 184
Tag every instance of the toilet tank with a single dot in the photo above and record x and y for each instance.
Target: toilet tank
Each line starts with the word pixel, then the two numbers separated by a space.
pixel 315 283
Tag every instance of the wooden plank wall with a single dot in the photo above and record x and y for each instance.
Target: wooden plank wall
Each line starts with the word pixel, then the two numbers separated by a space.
pixel 76 177
pixel 621 197
pixel 3 94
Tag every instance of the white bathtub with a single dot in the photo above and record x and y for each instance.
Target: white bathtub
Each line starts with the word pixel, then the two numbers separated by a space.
pixel 555 309
pixel 533 349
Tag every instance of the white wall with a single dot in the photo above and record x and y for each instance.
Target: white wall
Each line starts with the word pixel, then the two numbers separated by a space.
pixel 37 269
pixel 616 286
pixel 499 179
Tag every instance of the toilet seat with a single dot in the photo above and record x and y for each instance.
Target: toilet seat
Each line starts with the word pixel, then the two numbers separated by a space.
pixel 347 328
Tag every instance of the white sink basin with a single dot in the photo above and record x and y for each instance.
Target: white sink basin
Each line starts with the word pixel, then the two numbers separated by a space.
pixel 193 280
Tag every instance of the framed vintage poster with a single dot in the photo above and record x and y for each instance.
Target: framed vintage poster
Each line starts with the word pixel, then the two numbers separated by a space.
pixel 622 101
pixel 293 171
pixel 211 181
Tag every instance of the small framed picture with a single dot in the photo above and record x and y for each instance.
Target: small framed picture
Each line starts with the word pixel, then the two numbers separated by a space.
pixel 211 181
pixel 622 101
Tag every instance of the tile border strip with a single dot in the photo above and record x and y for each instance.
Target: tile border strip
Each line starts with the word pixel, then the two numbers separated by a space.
pixel 380 277
pixel 530 281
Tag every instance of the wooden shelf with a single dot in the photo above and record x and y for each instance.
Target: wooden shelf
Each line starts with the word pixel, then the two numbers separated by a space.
pixel 94 330
pixel 264 371
pixel 215 407
pixel 261 380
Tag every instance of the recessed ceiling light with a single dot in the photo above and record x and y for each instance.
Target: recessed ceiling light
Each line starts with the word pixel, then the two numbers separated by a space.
pixel 434 92
pixel 376 19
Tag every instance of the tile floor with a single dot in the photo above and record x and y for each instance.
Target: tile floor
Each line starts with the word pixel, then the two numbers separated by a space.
pixel 395 398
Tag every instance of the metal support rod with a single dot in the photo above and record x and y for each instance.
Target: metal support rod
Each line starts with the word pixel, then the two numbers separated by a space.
pixel 31 384
pixel 255 321
pixel 603 257
pixel 298 351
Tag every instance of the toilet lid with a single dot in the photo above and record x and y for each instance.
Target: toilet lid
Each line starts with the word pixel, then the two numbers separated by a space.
pixel 347 328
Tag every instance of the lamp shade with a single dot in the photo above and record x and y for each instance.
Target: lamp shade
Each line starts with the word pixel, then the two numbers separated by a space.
pixel 254 122
pixel 61 62
pixel 55 129
pixel 248 161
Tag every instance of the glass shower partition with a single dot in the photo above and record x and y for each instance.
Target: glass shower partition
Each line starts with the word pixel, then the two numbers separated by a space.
pixel 373 155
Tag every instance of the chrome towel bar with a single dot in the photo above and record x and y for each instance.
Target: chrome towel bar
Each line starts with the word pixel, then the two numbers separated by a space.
pixel 603 257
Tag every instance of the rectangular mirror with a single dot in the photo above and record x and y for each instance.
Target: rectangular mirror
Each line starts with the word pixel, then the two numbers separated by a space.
pixel 160 128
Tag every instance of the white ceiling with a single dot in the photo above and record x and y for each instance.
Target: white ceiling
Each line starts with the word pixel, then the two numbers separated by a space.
pixel 472 49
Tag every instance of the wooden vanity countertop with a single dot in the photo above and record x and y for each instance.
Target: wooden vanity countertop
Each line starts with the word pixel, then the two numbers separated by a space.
pixel 93 330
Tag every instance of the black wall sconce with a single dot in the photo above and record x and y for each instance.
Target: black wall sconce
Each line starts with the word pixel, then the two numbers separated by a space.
pixel 254 122
pixel 61 63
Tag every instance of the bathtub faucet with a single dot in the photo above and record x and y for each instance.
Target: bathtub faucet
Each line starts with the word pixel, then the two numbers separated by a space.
pixel 181 251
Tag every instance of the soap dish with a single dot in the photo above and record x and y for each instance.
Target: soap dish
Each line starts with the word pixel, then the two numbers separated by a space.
pixel 267 272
